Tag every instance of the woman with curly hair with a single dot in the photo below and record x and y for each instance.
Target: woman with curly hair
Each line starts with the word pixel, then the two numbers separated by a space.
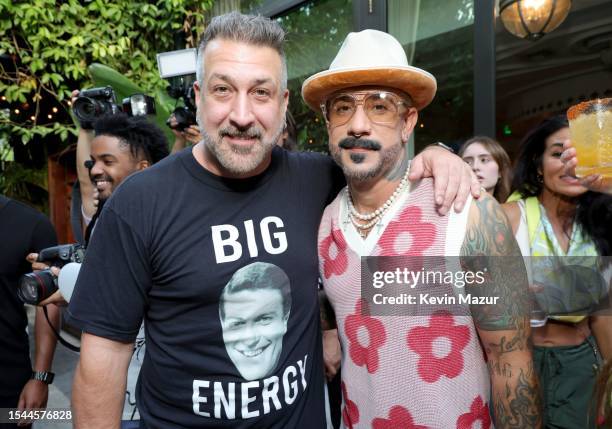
pixel 564 229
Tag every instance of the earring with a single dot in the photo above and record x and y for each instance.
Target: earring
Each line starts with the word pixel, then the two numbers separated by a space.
pixel 540 178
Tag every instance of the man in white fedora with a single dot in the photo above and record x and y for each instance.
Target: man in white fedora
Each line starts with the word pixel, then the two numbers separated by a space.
pixel 411 357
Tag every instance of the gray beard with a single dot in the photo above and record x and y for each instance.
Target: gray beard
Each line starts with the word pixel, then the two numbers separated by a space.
pixel 240 160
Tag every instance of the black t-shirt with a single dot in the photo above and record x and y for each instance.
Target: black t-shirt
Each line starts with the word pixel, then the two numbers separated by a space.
pixel 23 230
pixel 224 273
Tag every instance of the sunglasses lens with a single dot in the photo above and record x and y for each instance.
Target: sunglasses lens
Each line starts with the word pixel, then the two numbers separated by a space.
pixel 341 109
pixel 380 107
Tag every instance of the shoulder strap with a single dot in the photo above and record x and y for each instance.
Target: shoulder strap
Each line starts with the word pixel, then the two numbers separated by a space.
pixel 75 213
pixel 532 209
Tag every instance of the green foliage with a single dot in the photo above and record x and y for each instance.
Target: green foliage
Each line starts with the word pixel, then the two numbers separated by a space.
pixel 25 184
pixel 46 48
pixel 51 43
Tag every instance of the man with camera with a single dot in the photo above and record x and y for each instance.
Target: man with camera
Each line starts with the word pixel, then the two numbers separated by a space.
pixel 122 146
pixel 172 237
pixel 22 385
pixel 88 107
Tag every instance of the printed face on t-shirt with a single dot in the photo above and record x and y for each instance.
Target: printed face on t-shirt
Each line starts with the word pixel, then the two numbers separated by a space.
pixel 254 320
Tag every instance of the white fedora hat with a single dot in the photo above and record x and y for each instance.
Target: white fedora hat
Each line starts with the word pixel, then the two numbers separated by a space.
pixel 370 57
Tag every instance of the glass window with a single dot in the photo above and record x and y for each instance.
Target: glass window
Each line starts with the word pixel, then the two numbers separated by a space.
pixel 438 37
pixel 315 31
pixel 536 80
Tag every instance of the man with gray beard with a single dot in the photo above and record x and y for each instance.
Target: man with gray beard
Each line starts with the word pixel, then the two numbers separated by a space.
pixel 170 238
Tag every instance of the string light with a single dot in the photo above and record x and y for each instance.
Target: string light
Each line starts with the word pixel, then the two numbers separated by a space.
pixel 69 103
pixel 17 112
pixel 32 118
pixel 49 116
pixel 422 125
pixel 4 98
pixel 54 110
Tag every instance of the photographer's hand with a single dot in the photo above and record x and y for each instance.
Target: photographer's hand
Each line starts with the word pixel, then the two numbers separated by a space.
pixel 192 134
pixel 56 298
pixel 36 266
pixel 180 142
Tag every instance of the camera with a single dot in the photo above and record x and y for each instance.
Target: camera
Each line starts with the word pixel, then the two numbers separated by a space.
pixel 38 286
pixel 179 67
pixel 185 115
pixel 95 102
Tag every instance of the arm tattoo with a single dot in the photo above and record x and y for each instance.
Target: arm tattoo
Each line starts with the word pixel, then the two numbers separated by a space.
pixel 517 404
pixel 504 330
pixel 489 246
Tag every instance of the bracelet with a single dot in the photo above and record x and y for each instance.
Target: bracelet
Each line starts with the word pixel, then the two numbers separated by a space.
pixel 44 376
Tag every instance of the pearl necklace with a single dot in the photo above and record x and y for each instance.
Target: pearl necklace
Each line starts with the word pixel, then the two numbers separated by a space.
pixel 375 216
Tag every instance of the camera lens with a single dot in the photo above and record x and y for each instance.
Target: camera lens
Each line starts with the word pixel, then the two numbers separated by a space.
pixel 88 109
pixel 184 118
pixel 36 287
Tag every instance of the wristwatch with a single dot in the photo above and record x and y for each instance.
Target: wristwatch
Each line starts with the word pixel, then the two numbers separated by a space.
pixel 44 376
pixel 442 145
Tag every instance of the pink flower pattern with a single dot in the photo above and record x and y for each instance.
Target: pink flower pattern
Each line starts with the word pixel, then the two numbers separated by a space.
pixel 421 340
pixel 350 412
pixel 360 354
pixel 399 418
pixel 479 411
pixel 423 234
pixel 334 263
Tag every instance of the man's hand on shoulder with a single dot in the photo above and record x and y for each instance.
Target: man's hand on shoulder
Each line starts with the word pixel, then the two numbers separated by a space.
pixel 453 178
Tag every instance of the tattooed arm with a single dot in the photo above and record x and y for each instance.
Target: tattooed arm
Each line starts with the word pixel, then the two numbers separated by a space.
pixel 504 330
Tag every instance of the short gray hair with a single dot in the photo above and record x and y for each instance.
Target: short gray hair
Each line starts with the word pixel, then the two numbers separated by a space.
pixel 250 29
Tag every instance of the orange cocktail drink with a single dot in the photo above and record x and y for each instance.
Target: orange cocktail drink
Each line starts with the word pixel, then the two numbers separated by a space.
pixel 591 132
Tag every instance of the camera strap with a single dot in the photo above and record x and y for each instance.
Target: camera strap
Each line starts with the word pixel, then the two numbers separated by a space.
pixel 75 213
pixel 62 341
